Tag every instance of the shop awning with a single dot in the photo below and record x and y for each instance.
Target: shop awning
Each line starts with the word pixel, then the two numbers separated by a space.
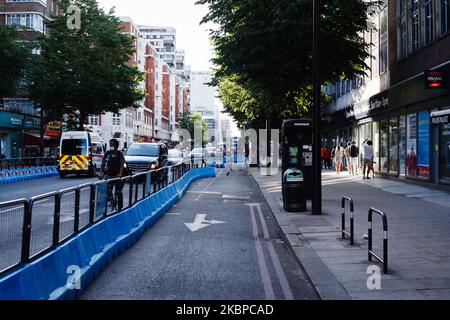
pixel 439 117
pixel 32 139
pixel 38 136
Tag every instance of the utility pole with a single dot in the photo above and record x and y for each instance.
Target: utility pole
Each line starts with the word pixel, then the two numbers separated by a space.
pixel 317 113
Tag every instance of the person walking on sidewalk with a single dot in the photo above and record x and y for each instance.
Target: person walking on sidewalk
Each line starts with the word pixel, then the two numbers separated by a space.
pixel 354 155
pixel 338 156
pixel 347 157
pixel 368 158
pixel 327 158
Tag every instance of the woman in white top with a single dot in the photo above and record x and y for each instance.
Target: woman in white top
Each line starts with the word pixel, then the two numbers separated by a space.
pixel 338 156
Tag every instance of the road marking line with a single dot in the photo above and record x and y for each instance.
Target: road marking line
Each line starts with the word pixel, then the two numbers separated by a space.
pixel 263 222
pixel 267 283
pixel 280 273
pixel 207 186
pixel 274 256
pixel 206 192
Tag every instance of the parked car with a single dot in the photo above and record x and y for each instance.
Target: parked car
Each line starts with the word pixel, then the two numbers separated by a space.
pixel 143 157
pixel 197 154
pixel 80 152
pixel 211 151
pixel 175 157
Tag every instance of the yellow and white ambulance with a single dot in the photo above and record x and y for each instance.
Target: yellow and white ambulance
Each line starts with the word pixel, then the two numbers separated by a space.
pixel 80 152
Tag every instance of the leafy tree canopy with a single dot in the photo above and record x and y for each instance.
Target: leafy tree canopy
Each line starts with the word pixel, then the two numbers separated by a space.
pixel 85 71
pixel 265 47
pixel 13 60
pixel 187 121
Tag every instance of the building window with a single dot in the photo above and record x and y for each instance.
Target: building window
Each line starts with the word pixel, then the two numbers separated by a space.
pixel 30 21
pixel 403 29
pixel 445 12
pixel 116 119
pixel 383 41
pixel 415 25
pixel 94 120
pixel 429 21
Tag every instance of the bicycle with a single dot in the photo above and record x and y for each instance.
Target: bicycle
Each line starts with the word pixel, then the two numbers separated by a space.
pixel 114 200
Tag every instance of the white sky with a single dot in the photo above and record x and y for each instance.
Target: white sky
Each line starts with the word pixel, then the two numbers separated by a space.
pixel 183 15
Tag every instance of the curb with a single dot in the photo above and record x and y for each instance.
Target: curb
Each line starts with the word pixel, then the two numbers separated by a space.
pixel 323 280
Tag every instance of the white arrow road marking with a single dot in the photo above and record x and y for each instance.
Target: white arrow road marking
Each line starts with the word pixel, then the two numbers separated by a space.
pixel 200 222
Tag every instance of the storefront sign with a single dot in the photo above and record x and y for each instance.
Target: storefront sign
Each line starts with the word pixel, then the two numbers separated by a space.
pixel 423 156
pixel 434 79
pixel 439 120
pixel 53 129
pixel 440 117
pixel 364 108
pixel 11 120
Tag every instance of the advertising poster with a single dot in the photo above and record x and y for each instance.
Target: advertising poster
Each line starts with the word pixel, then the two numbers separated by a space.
pixel 423 141
pixel 411 145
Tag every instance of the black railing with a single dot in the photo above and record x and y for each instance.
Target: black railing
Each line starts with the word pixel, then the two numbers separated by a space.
pixel 383 260
pixel 350 234
pixel 47 220
pixel 23 163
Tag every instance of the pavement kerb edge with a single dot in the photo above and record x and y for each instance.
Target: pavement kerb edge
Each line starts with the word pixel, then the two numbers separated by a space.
pixel 323 295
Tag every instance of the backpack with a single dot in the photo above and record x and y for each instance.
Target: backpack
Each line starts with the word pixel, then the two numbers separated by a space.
pixel 354 151
pixel 113 163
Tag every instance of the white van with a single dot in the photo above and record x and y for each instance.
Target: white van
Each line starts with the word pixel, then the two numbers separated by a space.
pixel 80 152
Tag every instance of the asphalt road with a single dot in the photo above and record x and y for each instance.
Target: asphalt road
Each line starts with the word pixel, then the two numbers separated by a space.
pixel 219 242
pixel 11 217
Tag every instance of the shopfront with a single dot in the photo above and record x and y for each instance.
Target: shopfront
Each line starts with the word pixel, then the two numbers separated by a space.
pixel 440 122
pixel 402 139
pixel 409 127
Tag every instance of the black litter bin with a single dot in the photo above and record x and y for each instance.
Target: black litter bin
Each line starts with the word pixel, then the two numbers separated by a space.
pixel 294 195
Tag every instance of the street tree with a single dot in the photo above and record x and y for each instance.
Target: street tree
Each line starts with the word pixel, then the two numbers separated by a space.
pixel 188 120
pixel 265 47
pixel 13 60
pixel 84 71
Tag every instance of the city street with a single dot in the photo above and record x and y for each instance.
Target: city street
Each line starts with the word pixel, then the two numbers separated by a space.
pixel 219 242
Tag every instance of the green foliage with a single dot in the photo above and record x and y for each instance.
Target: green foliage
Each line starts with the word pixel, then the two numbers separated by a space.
pixel 187 121
pixel 264 48
pixel 83 72
pixel 13 59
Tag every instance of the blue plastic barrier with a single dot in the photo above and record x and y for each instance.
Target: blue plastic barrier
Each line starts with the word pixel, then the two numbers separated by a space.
pixel 90 251
pixel 16 175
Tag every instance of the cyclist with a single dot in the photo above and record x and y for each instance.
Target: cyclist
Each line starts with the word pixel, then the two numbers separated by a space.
pixel 112 167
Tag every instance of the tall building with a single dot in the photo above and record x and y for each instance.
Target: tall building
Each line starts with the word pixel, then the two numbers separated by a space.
pixel 203 101
pixel 163 39
pixel 19 119
pixel 403 105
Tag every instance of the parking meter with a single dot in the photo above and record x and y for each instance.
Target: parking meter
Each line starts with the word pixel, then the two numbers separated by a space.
pixel 297 155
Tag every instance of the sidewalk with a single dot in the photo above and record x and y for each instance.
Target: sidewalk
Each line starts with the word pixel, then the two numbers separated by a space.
pixel 419 237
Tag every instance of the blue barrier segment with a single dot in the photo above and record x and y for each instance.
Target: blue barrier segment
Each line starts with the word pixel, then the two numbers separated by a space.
pixel 16 175
pixel 89 252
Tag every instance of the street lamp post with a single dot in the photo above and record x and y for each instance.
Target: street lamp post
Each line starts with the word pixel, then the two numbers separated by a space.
pixel 317 114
